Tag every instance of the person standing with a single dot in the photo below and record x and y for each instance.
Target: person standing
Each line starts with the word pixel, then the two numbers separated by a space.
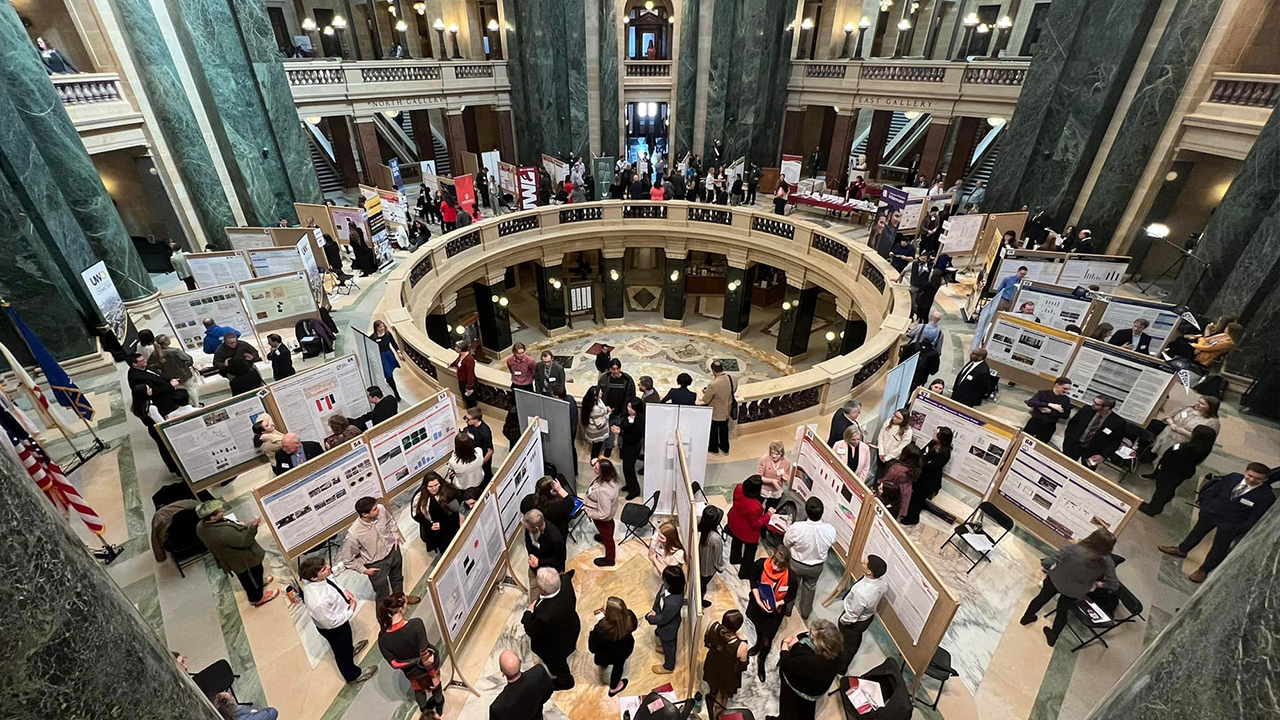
pixel 601 504
pixel 146 411
pixel 725 662
pixel 552 624
pixel 644 388
pixel 681 394
pixel 612 641
pixel 158 388
pixel 281 358
pixel 746 516
pixel 1179 427
pixel 630 432
pixel 844 417
pixel 809 663
pixel 1072 573
pixel 235 549
pixel 1094 433
pixel 437 509
pixel 753 183
pixel 331 609
pixel 719 395
pixel 1177 465
pixel 466 467
pixel 899 480
pixel 182 268
pixel 767 612
pixel 1231 505
pixel 404 645
pixel 895 435
pixel 774 470
pixel 710 548
pixel 975 380
pixel 482 436
pixel 616 387
pixel 525 692
pixel 1134 338
pixel 859 606
pixel 809 541
pixel 1003 300
pixel 372 547
pixel 665 617
pixel 594 418
pixel 936 456
pixel 389 351
pixel 172 363
pixel 548 373
pixel 1047 408
pixel 855 452
pixel 465 364
pixel 521 367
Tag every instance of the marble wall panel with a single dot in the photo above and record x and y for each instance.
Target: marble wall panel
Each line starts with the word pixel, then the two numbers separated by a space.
pixel 575 75
pixel 608 28
pixel 686 74
pixel 549 78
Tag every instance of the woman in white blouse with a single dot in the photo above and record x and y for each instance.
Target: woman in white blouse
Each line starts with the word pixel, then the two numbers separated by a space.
pixel 1178 426
pixel 894 436
pixel 774 470
pixel 855 453
pixel 466 466
pixel 666 550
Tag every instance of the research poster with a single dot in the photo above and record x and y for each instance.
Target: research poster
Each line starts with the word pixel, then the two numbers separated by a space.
pixel 211 269
pixel 306 400
pixel 519 481
pixel 421 441
pixel 1057 496
pixel 1039 269
pixel 310 264
pixel 1030 347
pixel 103 291
pixel 322 497
pixel 275 261
pixel 187 311
pixel 1101 270
pixel 343 217
pixel 281 297
pixel 211 441
pixel 1056 308
pixel 1137 382
pixel 978 444
pixel 842 498
pixel 249 238
pixel 961 233
pixel 1121 312
pixel 909 592
pixel 462 582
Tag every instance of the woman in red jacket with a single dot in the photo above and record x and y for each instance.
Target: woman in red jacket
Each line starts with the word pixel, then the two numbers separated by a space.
pixel 746 517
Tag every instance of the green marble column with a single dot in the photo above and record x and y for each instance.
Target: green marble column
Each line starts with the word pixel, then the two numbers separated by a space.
pixel 853 333
pixel 495 324
pixel 233 60
pixel 608 78
pixel 45 151
pixel 548 67
pixel 746 90
pixel 1162 83
pixel 686 69
pixel 176 119
pixel 1068 99
pixel 551 306
pixel 673 290
pixel 614 290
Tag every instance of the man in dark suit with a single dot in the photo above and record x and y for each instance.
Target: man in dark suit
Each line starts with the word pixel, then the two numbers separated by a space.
pixel 545 544
pixel 552 625
pixel 1094 432
pixel 665 617
pixel 844 417
pixel 384 408
pixel 294 452
pixel 1231 504
pixel 525 693
pixel 161 389
pixel 975 380
pixel 1134 338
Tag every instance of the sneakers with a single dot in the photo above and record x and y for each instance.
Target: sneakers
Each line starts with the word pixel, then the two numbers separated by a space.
pixel 365 675
pixel 660 670
pixel 412 599
pixel 359 647
pixel 603 562
pixel 1172 550
pixel 268 597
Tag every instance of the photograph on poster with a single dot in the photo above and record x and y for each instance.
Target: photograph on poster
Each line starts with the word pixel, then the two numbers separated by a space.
pixel 419 443
pixel 211 441
pixel 1055 308
pixel 1058 497
pixel 1029 347
pixel 461 584
pixel 978 446
pixel 1136 383
pixel 307 399
pixel 815 476
pixel 519 481
pixel 282 297
pixel 211 269
pixel 910 594
pixel 187 312
pixel 321 497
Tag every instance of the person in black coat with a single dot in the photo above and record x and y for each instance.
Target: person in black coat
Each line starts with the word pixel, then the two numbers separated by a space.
pixel 1126 338
pixel 844 417
pixel 544 542
pixel 552 624
pixel 665 617
pixel 1094 432
pixel 975 381
pixel 1177 465
pixel 936 456
pixel 280 357
pixel 243 376
pixel 384 408
pixel 161 389
pixel 1047 408
pixel 809 663
pixel 612 641
pixel 1231 505
pixel 926 294
pixel 525 692
pixel 681 395
pixel 294 452
pixel 630 432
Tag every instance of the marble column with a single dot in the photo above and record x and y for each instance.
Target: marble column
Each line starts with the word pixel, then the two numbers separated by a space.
pixel 506 136
pixel 792 128
pixel 673 290
pixel 841 146
pixel 797 321
pixel 1069 96
pixel 853 331
pixel 737 300
pixel 76 648
pixel 749 68
pixel 935 141
pixel 1216 657
pixel 686 73
pixel 545 54
pixel 551 308
pixel 43 149
pixel 177 119
pixel 614 289
pixel 876 139
pixel 495 323
pixel 961 150
pixel 607 28
pixel 438 327
pixel 455 139
pixel 371 153
pixel 1158 92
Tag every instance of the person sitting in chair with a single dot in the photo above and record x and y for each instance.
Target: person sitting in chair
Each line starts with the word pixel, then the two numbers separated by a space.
pixel 1094 433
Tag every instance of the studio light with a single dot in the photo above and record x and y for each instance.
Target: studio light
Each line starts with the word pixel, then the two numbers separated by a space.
pixel 1158 231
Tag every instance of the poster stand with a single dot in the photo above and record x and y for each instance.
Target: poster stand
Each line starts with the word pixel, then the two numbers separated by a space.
pixel 1120 312
pixel 273 404
pixel 208 411
pixel 219 268
pixel 1099 355
pixel 693 584
pixel 1057 306
pixel 1043 334
pixel 976 439
pixel 439 404
pixel 275 291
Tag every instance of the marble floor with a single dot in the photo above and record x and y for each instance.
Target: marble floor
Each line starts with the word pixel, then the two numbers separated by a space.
pixel 1006 670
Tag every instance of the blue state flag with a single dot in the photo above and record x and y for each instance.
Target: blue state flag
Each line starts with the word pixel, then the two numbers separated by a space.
pixel 64 389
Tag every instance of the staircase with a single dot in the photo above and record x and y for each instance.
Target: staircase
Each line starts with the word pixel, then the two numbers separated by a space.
pixel 904 144
pixel 896 123
pixel 983 161
pixel 439 153
pixel 326 173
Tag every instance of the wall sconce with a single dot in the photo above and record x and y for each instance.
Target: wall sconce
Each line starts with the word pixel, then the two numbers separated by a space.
pixel 339 22
pixel 453 30
pixel 911 114
pixel 328 30
pixel 613 275
pixel 313 119
pixel 401 26
pixel 391 9
pixel 996 121
pixel 675 275
pixel 733 286
pixel 309 25
pixel 420 8
pixel 503 302
pixel 438 26
pixel 460 330
pixel 671 19
pixel 391 113
pixel 648 5
pixel 494 298
pixel 555 283
pixel 493 26
pixel 1171 176
pixel 786 306
pixel 626 20
pixel 830 336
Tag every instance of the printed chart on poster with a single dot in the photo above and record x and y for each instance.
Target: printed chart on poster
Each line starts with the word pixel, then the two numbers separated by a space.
pixel 1105 271
pixel 274 261
pixel 221 268
pixel 815 475
pixel 278 298
pixel 306 400
pixel 187 311
pixel 519 479
pixel 978 443
pixel 320 495
pixel 1058 497
pixel 1137 382
pixel 1030 347
pixel 1052 306
pixel 961 233
pixel 246 238
pixel 216 439
pixel 461 584
pixel 1121 312
pixel 423 439
pixel 909 592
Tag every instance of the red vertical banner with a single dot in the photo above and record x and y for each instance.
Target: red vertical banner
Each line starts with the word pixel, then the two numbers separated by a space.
pixel 528 178
pixel 464 186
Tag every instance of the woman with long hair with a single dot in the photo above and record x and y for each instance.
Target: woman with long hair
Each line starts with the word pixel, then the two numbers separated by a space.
pixel 901 475
pixel 710 547
pixel 1179 426
pixel 809 663
pixel 593 416
pixel 1072 573
pixel 266 437
pixel 601 503
pixel 894 436
pixel 389 352
pixel 767 613
pixel 436 508
pixel 146 411
pixel 1177 465
pixel 630 434
pixel 936 456
pixel 666 550
pixel 726 660
pixel 611 641
pixel 553 501
pixel 746 516
pixel 466 466
pixel 340 431
pixel 404 645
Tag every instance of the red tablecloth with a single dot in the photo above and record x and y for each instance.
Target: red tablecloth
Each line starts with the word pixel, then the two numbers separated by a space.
pixel 828 202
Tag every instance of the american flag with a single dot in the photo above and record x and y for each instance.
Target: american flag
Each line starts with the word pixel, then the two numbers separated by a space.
pixel 47 475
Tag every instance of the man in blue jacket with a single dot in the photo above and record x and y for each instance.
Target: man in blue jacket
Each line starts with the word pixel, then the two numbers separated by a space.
pixel 213 334
pixel 1231 504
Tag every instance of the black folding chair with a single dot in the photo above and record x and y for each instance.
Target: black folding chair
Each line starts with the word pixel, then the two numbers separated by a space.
pixel 636 515
pixel 974 524
pixel 939 669
pixel 1097 628
pixel 181 542
pixel 216 678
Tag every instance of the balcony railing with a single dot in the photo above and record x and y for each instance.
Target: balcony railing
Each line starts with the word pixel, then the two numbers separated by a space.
pixel 923 85
pixel 1230 114
pixel 387 83
pixel 101 111
pixel 649 69
pixel 904 73
pixel 1260 91
pixel 85 88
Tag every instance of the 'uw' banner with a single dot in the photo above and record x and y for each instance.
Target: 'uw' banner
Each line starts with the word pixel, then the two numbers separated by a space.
pixel 602 168
pixel 464 186
pixel 528 178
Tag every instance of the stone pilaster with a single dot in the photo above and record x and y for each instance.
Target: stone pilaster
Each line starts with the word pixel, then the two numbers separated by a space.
pixel 797 321
pixel 877 136
pixel 546 57
pixel 614 288
pixel 841 146
pixel 737 299
pixel 495 322
pixel 792 127
pixel 455 138
pixel 962 148
pixel 673 291
pixel 686 74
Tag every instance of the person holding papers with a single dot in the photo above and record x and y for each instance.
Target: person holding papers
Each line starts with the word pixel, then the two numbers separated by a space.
pixel 809 540
pixel 331 609
pixel 808 664
pixel 1047 408
pixel 860 605
pixel 770 598
pixel 1094 432
pixel 1072 573
pixel 1231 505
pixel 746 516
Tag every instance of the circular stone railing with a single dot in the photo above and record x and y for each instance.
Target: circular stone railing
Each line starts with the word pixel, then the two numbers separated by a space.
pixel 857 277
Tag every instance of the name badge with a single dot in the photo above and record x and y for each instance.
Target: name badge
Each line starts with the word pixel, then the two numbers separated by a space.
pixel 1106 431
pixel 285 465
pixel 1246 503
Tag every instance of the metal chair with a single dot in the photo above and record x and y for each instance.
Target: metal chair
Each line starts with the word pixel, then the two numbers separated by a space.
pixel 939 669
pixel 636 515
pixel 974 524
pixel 1097 628
pixel 181 542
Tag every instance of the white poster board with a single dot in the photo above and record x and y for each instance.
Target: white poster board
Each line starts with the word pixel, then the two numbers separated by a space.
pixel 211 441
pixel 1121 312
pixel 1137 382
pixel 366 348
pixel 897 393
pixel 909 592
pixel 322 497
pixel 248 238
pixel 978 442
pixel 489 161
pixel 522 475
pixel 814 476
pixel 461 584
pixel 790 169
pixel 186 313
pixel 661 466
pixel 1030 347
pixel 1056 496
pixel 266 262
pixel 278 298
pixel 1054 306
pixel 415 445
pixel 1039 269
pixel 1105 271
pixel 222 268
pixel 306 400
pixel 310 264
pixel 961 233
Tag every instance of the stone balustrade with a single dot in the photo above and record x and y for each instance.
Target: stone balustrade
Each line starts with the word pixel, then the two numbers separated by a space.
pixel 648 69
pixel 982 88
pixel 904 73
pixel 809 254
pixel 1227 119
pixel 1259 91
pixel 364 86
pixel 103 114
pixel 88 88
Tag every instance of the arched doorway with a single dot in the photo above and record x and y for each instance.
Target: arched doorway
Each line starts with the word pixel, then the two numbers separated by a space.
pixel 650 25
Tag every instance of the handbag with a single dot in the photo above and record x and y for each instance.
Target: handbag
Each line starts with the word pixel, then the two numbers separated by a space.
pixel 733 400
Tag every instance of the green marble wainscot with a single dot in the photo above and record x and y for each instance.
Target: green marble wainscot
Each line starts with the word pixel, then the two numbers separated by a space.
pixel 177 121
pixel 609 78
pixel 35 122
pixel 686 72
pixel 1144 122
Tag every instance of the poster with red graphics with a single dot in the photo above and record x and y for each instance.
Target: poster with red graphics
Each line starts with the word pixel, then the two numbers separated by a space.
pixel 465 186
pixel 528 177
